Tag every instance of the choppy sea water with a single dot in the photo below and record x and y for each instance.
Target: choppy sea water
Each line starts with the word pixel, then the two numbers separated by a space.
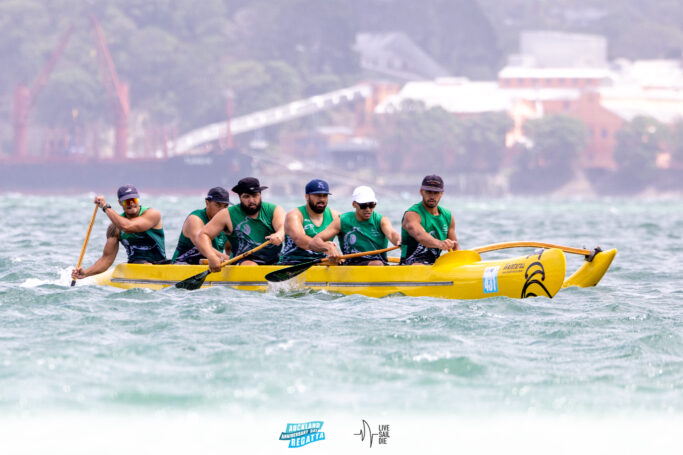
pixel 612 350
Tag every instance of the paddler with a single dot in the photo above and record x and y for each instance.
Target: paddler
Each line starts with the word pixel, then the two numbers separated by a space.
pixel 427 228
pixel 186 252
pixel 361 229
pixel 247 225
pixel 138 228
pixel 304 222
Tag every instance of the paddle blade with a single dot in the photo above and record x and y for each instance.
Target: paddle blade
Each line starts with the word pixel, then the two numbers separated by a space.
pixel 290 272
pixel 456 258
pixel 73 283
pixel 194 282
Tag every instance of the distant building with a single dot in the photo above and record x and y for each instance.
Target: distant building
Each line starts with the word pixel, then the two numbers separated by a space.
pixel 544 49
pixel 561 77
pixel 560 73
pixel 396 56
pixel 457 95
pixel 557 60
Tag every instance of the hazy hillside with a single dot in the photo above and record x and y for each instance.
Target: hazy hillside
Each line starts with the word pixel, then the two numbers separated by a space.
pixel 180 57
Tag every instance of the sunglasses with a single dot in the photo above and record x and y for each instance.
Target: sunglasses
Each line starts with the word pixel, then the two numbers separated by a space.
pixel 129 202
pixel 365 205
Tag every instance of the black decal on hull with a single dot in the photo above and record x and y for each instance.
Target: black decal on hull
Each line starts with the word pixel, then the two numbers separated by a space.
pixel 531 276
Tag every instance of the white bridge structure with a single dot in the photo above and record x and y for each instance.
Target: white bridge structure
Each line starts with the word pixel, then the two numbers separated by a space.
pixel 189 142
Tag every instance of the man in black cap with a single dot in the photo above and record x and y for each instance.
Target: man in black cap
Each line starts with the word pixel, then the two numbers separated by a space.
pixel 247 225
pixel 303 223
pixel 138 228
pixel 186 252
pixel 426 228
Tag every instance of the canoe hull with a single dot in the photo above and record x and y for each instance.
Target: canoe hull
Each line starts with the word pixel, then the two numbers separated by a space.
pixel 539 274
pixel 590 273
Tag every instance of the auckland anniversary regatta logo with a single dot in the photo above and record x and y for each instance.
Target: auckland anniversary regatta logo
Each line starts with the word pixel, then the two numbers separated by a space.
pixel 301 434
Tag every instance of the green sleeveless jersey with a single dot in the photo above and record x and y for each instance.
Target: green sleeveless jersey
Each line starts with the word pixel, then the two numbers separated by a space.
pixel 148 246
pixel 186 252
pixel 248 233
pixel 291 252
pixel 358 236
pixel 412 252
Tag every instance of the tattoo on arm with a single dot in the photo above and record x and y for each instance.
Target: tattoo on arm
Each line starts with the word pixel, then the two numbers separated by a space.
pixel 112 231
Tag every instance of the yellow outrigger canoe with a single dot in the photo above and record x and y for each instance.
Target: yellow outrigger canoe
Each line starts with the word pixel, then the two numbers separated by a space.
pixel 455 275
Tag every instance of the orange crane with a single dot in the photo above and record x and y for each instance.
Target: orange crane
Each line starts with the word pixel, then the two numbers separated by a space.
pixel 117 91
pixel 25 97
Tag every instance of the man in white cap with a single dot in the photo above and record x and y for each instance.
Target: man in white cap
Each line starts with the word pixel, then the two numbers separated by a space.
pixel 360 230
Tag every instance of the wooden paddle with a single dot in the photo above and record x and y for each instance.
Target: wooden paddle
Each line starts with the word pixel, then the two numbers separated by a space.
pixel 504 245
pixel 85 242
pixel 196 281
pixel 292 271
pixel 521 244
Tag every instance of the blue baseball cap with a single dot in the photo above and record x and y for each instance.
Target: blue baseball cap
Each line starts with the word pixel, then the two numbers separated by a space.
pixel 317 186
pixel 127 192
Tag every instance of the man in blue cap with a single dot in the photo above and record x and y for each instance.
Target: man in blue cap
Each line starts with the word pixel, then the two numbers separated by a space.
pixel 138 228
pixel 305 222
pixel 186 252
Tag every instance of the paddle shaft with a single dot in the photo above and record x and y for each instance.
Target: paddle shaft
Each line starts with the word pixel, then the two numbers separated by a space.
pixel 245 254
pixel 297 269
pixel 196 281
pixel 504 245
pixel 85 242
pixel 363 253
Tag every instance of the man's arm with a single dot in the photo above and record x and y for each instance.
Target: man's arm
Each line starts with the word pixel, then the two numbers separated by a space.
pixel 389 232
pixel 279 225
pixel 191 227
pixel 219 223
pixel 322 241
pixel 413 224
pixel 451 234
pixel 295 230
pixel 148 220
pixel 111 248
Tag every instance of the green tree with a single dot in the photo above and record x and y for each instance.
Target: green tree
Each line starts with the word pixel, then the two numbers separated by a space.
pixel 258 85
pixel 548 162
pixel 419 138
pixel 310 35
pixel 638 143
pixel 483 138
pixel 24 42
pixel 557 141
pixel 69 91
pixel 675 142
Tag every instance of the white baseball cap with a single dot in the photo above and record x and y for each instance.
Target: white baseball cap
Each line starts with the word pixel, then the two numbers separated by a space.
pixel 363 194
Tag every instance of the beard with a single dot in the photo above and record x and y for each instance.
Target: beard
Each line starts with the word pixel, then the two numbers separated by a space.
pixel 253 210
pixel 431 203
pixel 318 207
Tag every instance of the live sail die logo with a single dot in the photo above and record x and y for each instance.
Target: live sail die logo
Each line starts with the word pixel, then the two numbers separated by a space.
pixel 366 432
pixel 301 434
